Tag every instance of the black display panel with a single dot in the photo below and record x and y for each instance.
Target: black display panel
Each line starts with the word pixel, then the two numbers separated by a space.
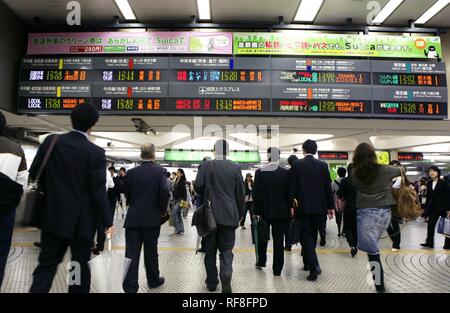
pixel 224 85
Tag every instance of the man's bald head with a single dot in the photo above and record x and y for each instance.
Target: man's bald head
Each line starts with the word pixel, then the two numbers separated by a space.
pixel 148 151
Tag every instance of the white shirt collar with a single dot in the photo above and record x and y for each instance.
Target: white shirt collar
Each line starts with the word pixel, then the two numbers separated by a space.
pixel 309 154
pixel 83 133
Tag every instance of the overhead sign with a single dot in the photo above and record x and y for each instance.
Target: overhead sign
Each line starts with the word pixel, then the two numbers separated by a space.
pixel 332 155
pixel 410 156
pixel 198 155
pixel 342 45
pixel 130 42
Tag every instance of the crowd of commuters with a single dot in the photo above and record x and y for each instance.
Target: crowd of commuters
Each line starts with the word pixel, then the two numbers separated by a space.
pixel 81 202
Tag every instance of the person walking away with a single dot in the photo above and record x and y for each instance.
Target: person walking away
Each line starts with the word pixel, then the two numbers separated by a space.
pixel 148 194
pixel 180 200
pixel 437 205
pixel 74 182
pixel 373 183
pixel 311 186
pixel 13 165
pixel 394 227
pixel 248 183
pixel 342 172
pixel 287 245
pixel 221 180
pixel 272 204
pixel 113 192
pixel 347 192
pixel 121 182
pixel 423 194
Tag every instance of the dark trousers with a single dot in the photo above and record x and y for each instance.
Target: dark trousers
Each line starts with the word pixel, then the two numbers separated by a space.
pixel 248 208
pixel 134 238
pixel 309 228
pixel 322 227
pixel 52 253
pixel 339 216
pixel 112 198
pixel 6 231
pixel 279 228
pixel 432 221
pixel 394 232
pixel 221 239
pixel 350 230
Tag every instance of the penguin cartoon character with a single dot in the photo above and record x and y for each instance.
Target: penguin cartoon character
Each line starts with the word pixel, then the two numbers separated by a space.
pixel 432 53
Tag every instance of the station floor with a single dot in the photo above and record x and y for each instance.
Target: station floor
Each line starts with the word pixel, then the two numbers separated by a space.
pixel 412 269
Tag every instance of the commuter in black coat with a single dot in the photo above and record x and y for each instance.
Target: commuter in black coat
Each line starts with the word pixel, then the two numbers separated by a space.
pixel 272 204
pixel 311 186
pixel 147 191
pixel 74 181
pixel 113 193
pixel 348 193
pixel 437 205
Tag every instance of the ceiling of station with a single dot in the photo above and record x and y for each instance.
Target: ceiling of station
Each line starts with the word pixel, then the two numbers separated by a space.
pixel 333 12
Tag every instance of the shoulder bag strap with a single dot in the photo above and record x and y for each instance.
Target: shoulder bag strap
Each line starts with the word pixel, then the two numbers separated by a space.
pixel 46 157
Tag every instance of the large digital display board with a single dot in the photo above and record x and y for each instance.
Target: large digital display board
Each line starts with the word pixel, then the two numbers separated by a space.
pixel 225 85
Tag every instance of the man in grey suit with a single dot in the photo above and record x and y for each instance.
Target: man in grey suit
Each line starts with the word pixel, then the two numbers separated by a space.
pixel 221 180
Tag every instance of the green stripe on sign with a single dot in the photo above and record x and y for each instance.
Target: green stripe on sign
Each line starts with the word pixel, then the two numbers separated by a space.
pixel 115 48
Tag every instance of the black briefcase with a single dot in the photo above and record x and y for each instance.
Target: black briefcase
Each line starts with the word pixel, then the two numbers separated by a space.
pixel 34 197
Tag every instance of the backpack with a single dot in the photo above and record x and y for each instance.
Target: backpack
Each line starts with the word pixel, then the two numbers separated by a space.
pixel 408 205
pixel 339 203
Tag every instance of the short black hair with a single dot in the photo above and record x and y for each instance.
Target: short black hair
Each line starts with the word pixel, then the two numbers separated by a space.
pixel 123 169
pixel 84 117
pixel 436 169
pixel 310 146
pixel 221 147
pixel 168 174
pixel 2 124
pixel 341 172
pixel 273 154
pixel 291 159
pixel 112 168
pixel 395 162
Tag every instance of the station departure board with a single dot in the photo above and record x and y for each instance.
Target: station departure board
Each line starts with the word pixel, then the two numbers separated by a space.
pixel 223 85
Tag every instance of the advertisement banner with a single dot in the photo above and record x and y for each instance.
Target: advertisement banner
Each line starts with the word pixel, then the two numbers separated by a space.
pixel 129 42
pixel 341 45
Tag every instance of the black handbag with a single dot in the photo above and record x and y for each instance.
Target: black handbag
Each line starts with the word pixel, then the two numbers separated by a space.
pixel 34 197
pixel 10 194
pixel 203 218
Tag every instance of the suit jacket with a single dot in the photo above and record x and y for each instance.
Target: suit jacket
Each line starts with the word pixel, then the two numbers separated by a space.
pixel 74 180
pixel 226 190
pixel 438 200
pixel 148 194
pixel 347 192
pixel 271 192
pixel 311 186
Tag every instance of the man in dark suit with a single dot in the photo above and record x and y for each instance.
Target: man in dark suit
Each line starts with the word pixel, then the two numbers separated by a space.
pixel 148 194
pixel 311 186
pixel 272 204
pixel 221 180
pixel 74 180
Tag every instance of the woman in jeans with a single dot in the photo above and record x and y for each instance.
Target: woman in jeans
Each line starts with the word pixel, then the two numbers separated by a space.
pixel 373 183
pixel 179 195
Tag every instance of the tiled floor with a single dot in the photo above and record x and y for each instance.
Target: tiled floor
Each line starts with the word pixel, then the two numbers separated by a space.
pixel 412 269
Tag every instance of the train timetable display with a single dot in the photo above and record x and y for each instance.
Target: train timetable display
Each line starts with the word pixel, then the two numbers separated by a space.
pixel 410 89
pixel 226 85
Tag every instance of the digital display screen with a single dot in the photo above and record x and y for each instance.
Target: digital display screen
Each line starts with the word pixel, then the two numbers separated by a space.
pixel 313 77
pixel 219 105
pixel 130 75
pixel 228 85
pixel 393 79
pixel 42 104
pixel 54 75
pixel 200 76
pixel 333 155
pixel 429 109
pixel 134 105
pixel 410 156
pixel 321 106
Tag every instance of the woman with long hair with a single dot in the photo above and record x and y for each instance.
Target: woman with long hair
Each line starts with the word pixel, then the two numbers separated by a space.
pixel 179 198
pixel 374 199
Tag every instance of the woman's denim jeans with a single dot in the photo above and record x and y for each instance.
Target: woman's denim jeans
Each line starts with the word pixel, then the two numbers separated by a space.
pixel 372 222
pixel 178 219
